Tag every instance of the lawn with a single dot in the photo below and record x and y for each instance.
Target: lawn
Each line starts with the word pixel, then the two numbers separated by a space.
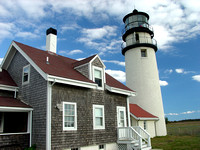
pixel 181 136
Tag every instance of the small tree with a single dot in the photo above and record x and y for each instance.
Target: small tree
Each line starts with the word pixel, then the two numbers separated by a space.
pixel 166 120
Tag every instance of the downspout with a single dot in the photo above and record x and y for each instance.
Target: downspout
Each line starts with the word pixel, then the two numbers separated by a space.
pixel 48 123
pixel 128 112
pixel 30 127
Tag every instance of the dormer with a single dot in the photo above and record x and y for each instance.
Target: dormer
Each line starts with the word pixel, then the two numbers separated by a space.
pixel 93 68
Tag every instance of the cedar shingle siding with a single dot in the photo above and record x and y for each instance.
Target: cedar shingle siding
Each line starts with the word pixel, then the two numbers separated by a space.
pixel 34 94
pixel 85 134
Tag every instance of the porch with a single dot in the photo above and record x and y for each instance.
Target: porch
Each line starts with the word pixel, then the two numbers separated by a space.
pixel 133 138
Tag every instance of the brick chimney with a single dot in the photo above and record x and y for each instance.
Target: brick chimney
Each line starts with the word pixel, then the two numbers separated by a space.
pixel 51 40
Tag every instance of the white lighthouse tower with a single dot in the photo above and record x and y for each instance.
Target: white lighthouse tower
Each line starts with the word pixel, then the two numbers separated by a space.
pixel 139 49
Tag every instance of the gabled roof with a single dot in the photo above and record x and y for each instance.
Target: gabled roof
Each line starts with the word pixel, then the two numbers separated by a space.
pixel 61 69
pixel 58 65
pixel 12 102
pixel 83 61
pixel 140 114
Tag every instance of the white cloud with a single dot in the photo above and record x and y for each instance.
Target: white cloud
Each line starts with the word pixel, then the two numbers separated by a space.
pixel 163 83
pixel 170 19
pixel 73 26
pixel 72 52
pixel 99 33
pixel 188 112
pixel 76 51
pixel 168 71
pixel 172 114
pixel 183 113
pixel 26 35
pixel 121 63
pixel 196 78
pixel 179 70
pixel 117 74
pixel 100 39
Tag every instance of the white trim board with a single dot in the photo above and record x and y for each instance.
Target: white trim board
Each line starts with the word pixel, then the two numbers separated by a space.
pixel 140 118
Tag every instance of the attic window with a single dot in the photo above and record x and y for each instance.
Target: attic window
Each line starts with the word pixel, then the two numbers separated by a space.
pixel 26 74
pixel 98 77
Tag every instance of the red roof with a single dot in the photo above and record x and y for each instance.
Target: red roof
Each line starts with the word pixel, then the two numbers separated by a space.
pixel 12 102
pixel 5 79
pixel 61 66
pixel 110 81
pixel 84 61
pixel 139 112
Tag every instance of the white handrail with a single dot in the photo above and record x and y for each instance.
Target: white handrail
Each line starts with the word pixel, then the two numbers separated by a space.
pixel 129 134
pixel 145 135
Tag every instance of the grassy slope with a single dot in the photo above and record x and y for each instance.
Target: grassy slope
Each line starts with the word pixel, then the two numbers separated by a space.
pixel 181 136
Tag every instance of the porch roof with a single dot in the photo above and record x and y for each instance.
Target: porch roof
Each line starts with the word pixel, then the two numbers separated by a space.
pixel 5 79
pixel 140 113
pixel 12 102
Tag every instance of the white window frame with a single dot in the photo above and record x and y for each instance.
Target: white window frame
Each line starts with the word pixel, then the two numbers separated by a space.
pixel 102 76
pixel 75 116
pixel 29 68
pixel 94 117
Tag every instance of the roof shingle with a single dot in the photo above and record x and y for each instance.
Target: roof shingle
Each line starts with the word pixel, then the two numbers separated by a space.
pixel 12 102
pixel 5 79
pixel 139 112
pixel 61 66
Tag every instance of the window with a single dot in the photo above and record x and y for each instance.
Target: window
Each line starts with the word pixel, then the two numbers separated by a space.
pixel 98 117
pixel 74 149
pixel 13 122
pixel 101 147
pixel 98 76
pixel 145 125
pixel 69 116
pixel 26 74
pixel 143 53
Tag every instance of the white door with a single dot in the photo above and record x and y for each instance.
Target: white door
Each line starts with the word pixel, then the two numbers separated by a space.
pixel 121 116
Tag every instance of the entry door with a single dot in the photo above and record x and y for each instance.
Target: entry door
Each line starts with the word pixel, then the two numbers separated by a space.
pixel 121 116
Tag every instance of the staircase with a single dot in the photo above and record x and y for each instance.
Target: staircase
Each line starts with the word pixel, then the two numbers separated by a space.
pixel 133 138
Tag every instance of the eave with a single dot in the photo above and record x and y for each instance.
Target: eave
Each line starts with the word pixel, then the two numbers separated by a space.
pixel 8 88
pixel 71 82
pixel 120 91
pixel 143 118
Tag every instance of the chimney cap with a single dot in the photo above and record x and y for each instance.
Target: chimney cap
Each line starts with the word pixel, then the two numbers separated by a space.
pixel 51 31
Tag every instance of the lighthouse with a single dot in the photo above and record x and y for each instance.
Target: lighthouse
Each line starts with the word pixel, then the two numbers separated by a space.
pixel 139 49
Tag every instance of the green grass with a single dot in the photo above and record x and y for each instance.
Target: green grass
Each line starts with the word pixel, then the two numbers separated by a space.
pixel 181 136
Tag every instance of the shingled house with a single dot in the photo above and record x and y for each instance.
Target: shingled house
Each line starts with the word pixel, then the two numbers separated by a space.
pixel 62 103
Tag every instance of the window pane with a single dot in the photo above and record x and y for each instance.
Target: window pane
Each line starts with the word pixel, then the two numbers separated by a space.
pixel 25 78
pixel 99 121
pixel 121 115
pixel 98 81
pixel 97 74
pixel 98 112
pixel 69 118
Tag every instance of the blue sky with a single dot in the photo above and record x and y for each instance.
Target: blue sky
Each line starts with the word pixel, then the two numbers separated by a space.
pixel 87 27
